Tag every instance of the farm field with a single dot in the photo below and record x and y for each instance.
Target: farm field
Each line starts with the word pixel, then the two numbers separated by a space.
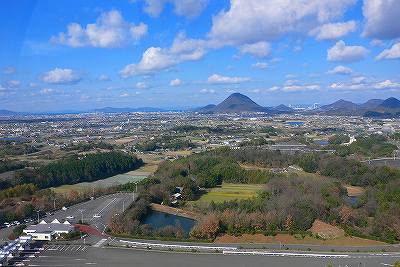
pixel 227 192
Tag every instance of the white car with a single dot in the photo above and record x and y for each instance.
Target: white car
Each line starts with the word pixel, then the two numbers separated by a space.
pixel 97 216
pixel 64 208
pixel 70 217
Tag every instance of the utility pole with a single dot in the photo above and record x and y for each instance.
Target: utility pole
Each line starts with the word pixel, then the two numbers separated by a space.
pixel 54 203
pixel 133 196
pixel 81 210
pixel 123 206
pixel 38 219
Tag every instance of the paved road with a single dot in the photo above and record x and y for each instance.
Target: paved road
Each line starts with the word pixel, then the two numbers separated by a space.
pixel 84 256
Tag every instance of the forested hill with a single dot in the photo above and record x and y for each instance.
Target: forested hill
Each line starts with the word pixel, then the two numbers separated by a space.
pixel 76 169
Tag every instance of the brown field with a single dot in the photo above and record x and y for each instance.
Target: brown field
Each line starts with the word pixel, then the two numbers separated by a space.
pixel 251 167
pixel 326 230
pixel 354 191
pixel 289 239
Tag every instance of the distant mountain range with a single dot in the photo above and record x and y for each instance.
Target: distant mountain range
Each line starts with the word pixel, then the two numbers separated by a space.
pixel 239 103
pixel 375 108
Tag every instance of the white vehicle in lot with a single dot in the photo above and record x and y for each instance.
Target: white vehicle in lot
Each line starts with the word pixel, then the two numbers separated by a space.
pixel 97 216
pixel 64 208
pixel 70 217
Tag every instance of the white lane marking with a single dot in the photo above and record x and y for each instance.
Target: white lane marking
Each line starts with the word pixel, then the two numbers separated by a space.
pixel 283 254
pixel 98 244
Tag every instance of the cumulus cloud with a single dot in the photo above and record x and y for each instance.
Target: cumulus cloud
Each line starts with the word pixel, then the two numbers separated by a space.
pixel 391 53
pixel 141 85
pixel 9 70
pixel 341 52
pixel 251 21
pixel 381 19
pixel 185 8
pixel 294 87
pixel 104 78
pixel 12 84
pixel 207 91
pixel 363 84
pixel 331 31
pixel 260 65
pixel 61 76
pixel 175 82
pixel 259 49
pixel 341 70
pixel 157 58
pixel 110 30
pixel 219 79
pixel 46 91
pixel 387 84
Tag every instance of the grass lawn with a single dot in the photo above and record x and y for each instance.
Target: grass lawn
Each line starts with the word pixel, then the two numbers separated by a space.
pixel 227 192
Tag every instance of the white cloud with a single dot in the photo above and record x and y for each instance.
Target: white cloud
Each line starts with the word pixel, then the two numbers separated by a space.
pixel 175 82
pixel 141 85
pixel 139 31
pixel 363 84
pixel 387 84
pixel 358 79
pixel 381 19
pixel 9 70
pixel 251 21
pixel 207 91
pixel 260 65
pixel 305 87
pixel 331 31
pixel 259 49
pixel 341 52
pixel 157 58
pixel 341 70
pixel 12 84
pixel 219 79
pixel 46 91
pixel 391 53
pixel 61 76
pixel 185 8
pixel 110 30
pixel 104 78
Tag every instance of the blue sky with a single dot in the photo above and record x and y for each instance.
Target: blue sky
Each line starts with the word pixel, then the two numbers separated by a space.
pixel 77 55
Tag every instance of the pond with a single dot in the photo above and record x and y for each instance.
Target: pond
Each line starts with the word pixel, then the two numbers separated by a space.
pixel 158 219
pixel 351 200
pixel 295 123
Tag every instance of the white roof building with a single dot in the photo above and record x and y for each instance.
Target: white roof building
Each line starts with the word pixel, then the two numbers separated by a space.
pixel 47 231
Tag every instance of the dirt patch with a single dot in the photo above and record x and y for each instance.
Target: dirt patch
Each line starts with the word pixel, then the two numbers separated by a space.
pixel 294 239
pixel 175 211
pixel 325 230
pixel 354 191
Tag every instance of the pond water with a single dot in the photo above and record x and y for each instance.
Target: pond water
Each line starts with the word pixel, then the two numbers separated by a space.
pixel 321 142
pixel 295 123
pixel 351 200
pixel 158 219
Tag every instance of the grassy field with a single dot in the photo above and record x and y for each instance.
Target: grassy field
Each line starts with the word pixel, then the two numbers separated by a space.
pixel 228 192
pixel 123 178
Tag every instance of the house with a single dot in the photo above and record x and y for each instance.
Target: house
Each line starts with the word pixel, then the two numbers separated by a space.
pixel 47 231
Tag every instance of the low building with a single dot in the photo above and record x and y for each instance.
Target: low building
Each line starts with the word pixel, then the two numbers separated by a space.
pixel 47 231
